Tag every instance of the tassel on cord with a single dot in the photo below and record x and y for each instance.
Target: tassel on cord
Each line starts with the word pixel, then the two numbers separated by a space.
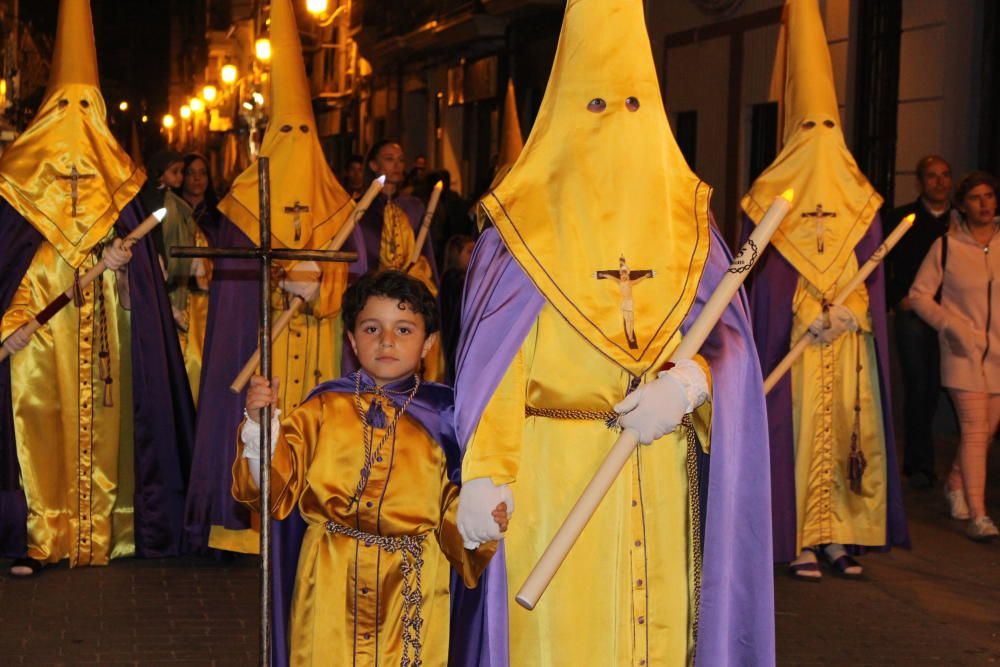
pixel 77 291
pixel 375 416
pixel 856 462
pixel 104 356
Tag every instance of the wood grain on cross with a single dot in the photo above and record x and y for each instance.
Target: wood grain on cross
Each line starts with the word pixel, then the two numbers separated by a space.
pixel 266 255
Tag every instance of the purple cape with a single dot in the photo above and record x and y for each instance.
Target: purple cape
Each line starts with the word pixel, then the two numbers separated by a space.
pixel 163 410
pixel 433 408
pixel 737 597
pixel 230 339
pixel 773 287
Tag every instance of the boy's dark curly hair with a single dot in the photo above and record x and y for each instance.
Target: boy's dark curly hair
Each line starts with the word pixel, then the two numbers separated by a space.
pixel 393 285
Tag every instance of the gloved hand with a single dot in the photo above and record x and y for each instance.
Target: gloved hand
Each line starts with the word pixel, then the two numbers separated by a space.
pixel 116 256
pixel 198 269
pixel 18 340
pixel 302 280
pixel 959 336
pixel 180 318
pixel 657 407
pixel 476 502
pixel 842 320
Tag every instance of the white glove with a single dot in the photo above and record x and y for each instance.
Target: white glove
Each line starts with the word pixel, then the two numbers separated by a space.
pixel 250 435
pixel 842 320
pixel 476 502
pixel 656 408
pixel 198 269
pixel 18 340
pixel 180 318
pixel 302 280
pixel 959 336
pixel 116 256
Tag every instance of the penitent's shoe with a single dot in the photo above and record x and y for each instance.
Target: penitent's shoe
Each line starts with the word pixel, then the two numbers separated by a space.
pixel 982 530
pixel 957 506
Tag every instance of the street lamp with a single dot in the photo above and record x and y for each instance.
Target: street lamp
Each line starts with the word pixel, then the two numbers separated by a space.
pixel 168 121
pixel 145 118
pixel 228 73
pixel 209 92
pixel 262 48
pixel 320 9
pixel 123 106
pixel 196 104
pixel 185 112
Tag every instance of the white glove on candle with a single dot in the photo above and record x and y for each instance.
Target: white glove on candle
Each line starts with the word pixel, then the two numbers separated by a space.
pixel 842 320
pixel 116 256
pixel 476 502
pixel 657 407
pixel 250 435
pixel 302 280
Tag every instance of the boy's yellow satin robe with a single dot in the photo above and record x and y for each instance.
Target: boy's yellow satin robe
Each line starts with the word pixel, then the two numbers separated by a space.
pixel 347 604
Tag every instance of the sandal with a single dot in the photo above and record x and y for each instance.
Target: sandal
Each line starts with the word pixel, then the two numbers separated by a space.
pixel 25 567
pixel 841 562
pixel 806 570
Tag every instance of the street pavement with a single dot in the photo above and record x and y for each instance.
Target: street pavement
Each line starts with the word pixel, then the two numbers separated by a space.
pixel 937 604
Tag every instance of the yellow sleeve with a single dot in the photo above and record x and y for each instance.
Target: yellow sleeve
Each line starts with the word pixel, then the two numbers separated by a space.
pixel 299 435
pixel 494 450
pixel 702 416
pixel 331 289
pixel 469 563
pixel 21 309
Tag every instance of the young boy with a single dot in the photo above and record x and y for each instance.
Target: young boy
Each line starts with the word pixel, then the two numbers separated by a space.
pixel 371 462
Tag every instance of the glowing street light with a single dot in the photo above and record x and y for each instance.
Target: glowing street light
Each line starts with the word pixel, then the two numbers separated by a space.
pixel 320 9
pixel 168 121
pixel 123 105
pixel 145 118
pixel 228 73
pixel 262 48
pixel 196 104
pixel 209 92
pixel 185 112
pixel 317 7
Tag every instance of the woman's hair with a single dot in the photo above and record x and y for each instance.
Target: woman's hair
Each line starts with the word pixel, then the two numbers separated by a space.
pixel 372 154
pixel 392 285
pixel 453 250
pixel 211 197
pixel 972 180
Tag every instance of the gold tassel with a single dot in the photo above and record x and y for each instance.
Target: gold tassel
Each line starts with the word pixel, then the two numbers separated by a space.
pixel 856 462
pixel 108 396
pixel 104 364
pixel 77 291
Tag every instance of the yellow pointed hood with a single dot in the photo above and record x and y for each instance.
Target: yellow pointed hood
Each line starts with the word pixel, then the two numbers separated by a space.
pixel 303 188
pixel 834 202
pixel 601 178
pixel 69 137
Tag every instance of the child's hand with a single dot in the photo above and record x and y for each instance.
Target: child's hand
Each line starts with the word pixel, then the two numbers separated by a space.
pixel 261 394
pixel 500 516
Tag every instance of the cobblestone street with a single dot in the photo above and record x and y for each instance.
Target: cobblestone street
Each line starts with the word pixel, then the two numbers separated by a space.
pixel 938 604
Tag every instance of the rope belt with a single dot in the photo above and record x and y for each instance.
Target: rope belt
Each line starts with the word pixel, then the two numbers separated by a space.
pixel 412 549
pixel 610 417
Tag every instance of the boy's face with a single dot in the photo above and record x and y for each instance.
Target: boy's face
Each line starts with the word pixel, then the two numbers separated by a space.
pixel 174 175
pixel 389 339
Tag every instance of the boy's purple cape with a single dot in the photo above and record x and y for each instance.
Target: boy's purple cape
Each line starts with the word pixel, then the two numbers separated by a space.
pixel 773 287
pixel 230 339
pixel 163 410
pixel 737 597
pixel 368 242
pixel 433 408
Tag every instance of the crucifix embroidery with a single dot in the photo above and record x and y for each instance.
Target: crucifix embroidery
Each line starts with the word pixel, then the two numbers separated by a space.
pixel 296 211
pixel 625 279
pixel 74 178
pixel 818 216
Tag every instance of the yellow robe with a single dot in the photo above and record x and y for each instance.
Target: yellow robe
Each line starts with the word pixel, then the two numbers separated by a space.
pixel 303 356
pixel 824 389
pixel 631 577
pixel 347 605
pixel 75 453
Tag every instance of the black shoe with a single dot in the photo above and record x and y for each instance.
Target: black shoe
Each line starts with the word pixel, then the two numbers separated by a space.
pixel 921 481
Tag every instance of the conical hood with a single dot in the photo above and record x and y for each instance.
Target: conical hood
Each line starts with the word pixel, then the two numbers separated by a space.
pixel 308 203
pixel 291 100
pixel 74 58
pixel 66 174
pixel 834 202
pixel 511 139
pixel 601 178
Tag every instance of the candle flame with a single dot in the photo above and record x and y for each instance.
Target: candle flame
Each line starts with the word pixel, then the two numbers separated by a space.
pixel 910 218
pixel 381 179
pixel 439 185
pixel 160 214
pixel 788 195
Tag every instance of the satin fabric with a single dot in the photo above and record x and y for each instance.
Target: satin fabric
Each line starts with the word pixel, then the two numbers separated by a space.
pixel 158 420
pixel 306 354
pixel 597 184
pixel 500 311
pixel 772 295
pixel 814 160
pixel 347 604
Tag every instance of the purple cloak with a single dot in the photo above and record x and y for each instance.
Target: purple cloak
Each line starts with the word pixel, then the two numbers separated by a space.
pixel 230 338
pixel 771 292
pixel 433 408
pixel 163 410
pixel 737 596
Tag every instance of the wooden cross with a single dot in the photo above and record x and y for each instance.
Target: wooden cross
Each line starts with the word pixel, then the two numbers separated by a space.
pixel 818 215
pixel 625 279
pixel 296 210
pixel 266 254
pixel 74 178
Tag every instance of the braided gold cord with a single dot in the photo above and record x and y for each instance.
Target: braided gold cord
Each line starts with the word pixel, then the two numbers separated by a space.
pixel 694 500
